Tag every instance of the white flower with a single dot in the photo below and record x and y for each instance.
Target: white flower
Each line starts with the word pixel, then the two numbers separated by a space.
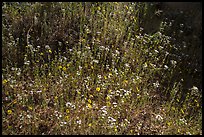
pixel 173 62
pixel 166 67
pixel 95 61
pixel 159 118
pixel 78 122
pixel 47 47
pixel 156 51
pixel 39 91
pixel 183 121
pixel 68 104
pixel 156 84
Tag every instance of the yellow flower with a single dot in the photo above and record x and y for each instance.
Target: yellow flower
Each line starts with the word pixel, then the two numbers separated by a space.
pixel 98 89
pixel 56 97
pixel 15 101
pixel 137 89
pixel 89 100
pixel 89 105
pixel 105 77
pixel 68 64
pixel 50 51
pixel 110 74
pixel 5 81
pixel 169 123
pixel 108 98
pixel 115 128
pixel 67 117
pixel 7 93
pixel 67 111
pixel 91 96
pixel 125 82
pixel 108 103
pixel 30 108
pixel 60 67
pixel 41 54
pixel 179 130
pixel 90 125
pixel 99 8
pixel 92 67
pixel 9 112
pixel 64 68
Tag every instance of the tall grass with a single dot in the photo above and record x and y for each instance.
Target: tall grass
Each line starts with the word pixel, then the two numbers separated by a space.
pixel 107 81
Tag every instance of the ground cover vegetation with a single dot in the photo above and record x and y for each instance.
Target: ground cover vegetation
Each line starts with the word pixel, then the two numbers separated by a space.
pixel 99 68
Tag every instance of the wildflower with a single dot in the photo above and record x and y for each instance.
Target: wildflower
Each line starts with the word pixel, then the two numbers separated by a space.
pixel 68 104
pixel 159 117
pixel 63 123
pixel 109 91
pixel 91 96
pixel 156 84
pixel 125 81
pixel 188 133
pixel 30 108
pixel 108 98
pixel 95 61
pixel 89 106
pixel 110 74
pixel 50 51
pixel 47 47
pixel 64 68
pixel 67 111
pixel 67 117
pixel 5 81
pixel 98 89
pixel 115 128
pixel 9 112
pixel 89 100
pixel 108 103
pixel 137 89
pixel 78 121
pixel 169 123
pixel 183 121
pixel 60 67
pixel 99 8
pixel 92 67
pixel 173 108
pixel 39 91
pixel 105 77
pixel 114 104
pixel 15 101
pixel 79 92
pixel 145 65
pixel 173 62
pixel 166 67
pixel 41 54
pixel 90 125
pixel 29 116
